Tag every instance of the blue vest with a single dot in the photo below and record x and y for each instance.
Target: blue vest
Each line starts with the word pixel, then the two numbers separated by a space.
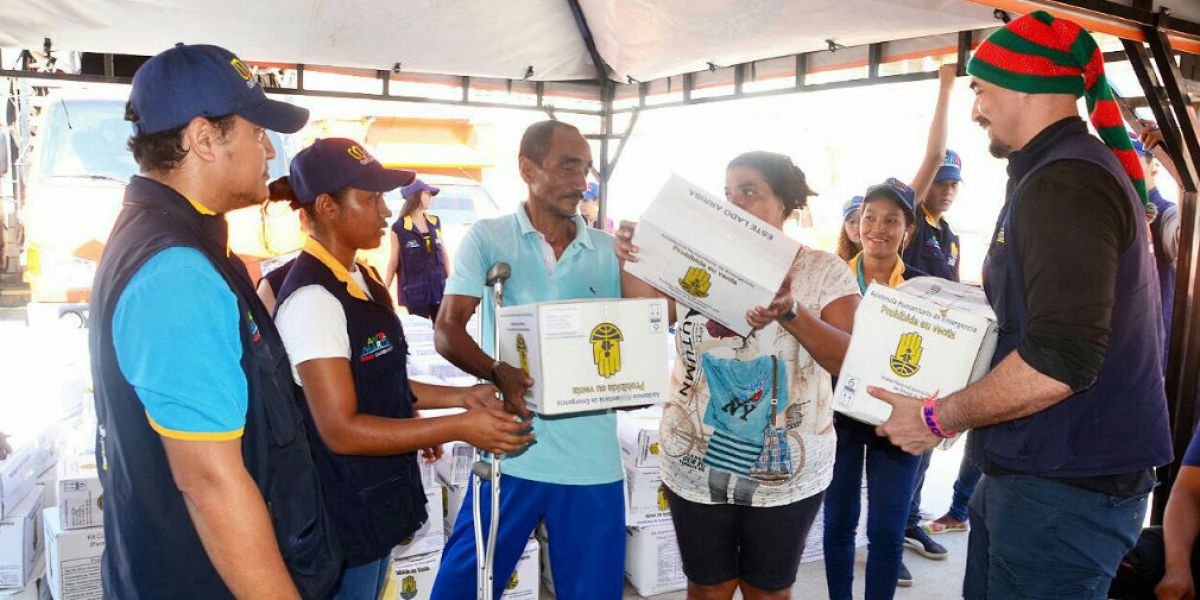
pixel 375 501
pixel 422 276
pixel 1119 425
pixel 152 549
pixel 1166 268
pixel 276 277
pixel 933 250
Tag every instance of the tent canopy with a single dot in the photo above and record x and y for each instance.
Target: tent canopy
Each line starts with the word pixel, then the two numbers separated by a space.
pixel 642 40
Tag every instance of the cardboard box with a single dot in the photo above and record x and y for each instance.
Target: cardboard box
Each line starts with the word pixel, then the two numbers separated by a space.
pixel 35 590
pixel 80 497
pixel 452 502
pixel 49 482
pixel 927 337
pixel 524 583
pixel 645 501
pixel 652 561
pixel 415 576
pixel 72 559
pixel 709 254
pixel 637 432
pixel 590 355
pixel 429 538
pixel 21 541
pixel 18 478
pixel 453 469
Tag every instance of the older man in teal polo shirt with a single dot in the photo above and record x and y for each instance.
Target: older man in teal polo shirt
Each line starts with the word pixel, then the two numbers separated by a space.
pixel 571 475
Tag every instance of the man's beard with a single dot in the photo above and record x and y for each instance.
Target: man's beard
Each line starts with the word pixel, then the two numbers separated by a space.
pixel 999 149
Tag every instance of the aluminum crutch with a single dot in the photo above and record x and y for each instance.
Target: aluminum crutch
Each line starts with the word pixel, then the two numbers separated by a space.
pixel 485 559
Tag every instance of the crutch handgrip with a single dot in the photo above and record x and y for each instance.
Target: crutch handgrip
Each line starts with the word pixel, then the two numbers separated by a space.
pixel 482 469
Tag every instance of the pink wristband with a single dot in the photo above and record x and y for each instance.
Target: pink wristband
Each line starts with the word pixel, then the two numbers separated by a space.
pixel 929 412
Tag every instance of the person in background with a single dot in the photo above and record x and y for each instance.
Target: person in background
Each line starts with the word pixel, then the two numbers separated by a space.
pixel 210 489
pixel 1164 229
pixel 849 238
pixel 418 260
pixel 1071 421
pixel 590 208
pixel 360 404
pixel 269 285
pixel 1166 560
pixel 743 506
pixel 933 250
pixel 886 222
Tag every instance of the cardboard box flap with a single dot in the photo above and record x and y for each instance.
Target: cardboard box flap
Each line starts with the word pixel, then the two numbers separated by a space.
pixel 950 294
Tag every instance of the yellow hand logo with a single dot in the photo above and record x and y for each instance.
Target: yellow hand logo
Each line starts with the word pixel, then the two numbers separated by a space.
pixel 696 282
pixel 606 341
pixel 907 359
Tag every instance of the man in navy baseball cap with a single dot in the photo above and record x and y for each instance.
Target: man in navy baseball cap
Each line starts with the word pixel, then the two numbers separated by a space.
pixel 934 248
pixel 186 82
pixel 198 419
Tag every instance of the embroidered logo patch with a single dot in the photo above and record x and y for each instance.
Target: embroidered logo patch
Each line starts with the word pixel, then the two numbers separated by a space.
pixel 254 333
pixel 376 346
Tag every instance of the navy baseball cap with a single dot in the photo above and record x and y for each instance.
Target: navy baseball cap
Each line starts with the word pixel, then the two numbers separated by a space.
pixel 894 190
pixel 951 167
pixel 331 164
pixel 186 82
pixel 418 186
pixel 592 192
pixel 851 206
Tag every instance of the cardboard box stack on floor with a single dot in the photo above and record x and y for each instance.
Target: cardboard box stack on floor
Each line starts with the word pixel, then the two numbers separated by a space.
pixel 415 561
pixel 72 559
pixel 652 561
pixel 74 521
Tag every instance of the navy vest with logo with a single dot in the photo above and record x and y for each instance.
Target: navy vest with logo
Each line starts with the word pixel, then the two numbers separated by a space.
pixel 375 501
pixel 1166 268
pixel 1119 424
pixel 152 549
pixel 422 276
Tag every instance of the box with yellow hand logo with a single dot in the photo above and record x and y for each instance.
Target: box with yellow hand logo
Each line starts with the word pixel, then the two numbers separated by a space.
pixel 710 255
pixel 588 355
pixel 927 337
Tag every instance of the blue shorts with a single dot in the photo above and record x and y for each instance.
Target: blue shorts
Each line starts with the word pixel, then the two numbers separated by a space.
pixel 586 529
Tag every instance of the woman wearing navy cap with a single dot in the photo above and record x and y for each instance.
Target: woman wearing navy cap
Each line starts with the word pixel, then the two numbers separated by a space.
pixel 849 238
pixel 348 352
pixel 886 222
pixel 418 255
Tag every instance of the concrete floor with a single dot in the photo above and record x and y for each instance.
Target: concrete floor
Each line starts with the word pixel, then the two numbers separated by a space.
pixel 932 579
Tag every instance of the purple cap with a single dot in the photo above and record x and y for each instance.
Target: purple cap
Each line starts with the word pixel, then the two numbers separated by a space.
pixel 418 186
pixel 331 164
pixel 185 82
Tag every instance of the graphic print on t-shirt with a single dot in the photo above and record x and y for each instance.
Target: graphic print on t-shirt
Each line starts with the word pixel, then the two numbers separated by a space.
pixel 739 409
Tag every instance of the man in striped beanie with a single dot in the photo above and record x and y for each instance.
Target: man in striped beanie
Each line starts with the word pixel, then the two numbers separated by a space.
pixel 1072 419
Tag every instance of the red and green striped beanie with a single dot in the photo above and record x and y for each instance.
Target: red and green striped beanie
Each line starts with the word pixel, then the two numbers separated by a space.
pixel 1039 54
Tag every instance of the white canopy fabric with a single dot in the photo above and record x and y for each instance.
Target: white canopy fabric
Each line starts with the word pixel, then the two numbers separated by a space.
pixel 638 39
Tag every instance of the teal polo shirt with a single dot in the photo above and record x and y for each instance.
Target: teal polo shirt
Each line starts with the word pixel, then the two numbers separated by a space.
pixel 574 450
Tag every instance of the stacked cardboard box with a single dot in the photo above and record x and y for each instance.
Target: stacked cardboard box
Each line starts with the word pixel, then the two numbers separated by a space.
pixel 72 559
pixel 21 541
pixel 429 538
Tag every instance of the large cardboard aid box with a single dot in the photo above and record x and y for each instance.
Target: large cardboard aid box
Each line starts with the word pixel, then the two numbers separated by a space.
pixel 429 537
pixel 709 254
pixel 525 582
pixel 645 499
pixel 927 337
pixel 415 576
pixel 652 561
pixel 637 433
pixel 590 355
pixel 72 559
pixel 80 498
pixel 21 541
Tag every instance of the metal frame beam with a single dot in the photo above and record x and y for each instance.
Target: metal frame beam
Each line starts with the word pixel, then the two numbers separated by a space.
pixel 1160 81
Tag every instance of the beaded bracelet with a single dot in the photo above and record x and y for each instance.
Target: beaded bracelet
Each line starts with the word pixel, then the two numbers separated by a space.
pixel 929 411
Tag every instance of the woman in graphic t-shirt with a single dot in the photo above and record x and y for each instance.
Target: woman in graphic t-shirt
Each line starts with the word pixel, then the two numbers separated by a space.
pixel 747 435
